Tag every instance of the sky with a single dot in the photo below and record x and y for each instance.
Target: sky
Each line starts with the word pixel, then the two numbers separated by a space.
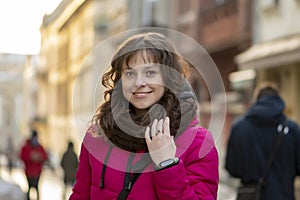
pixel 20 21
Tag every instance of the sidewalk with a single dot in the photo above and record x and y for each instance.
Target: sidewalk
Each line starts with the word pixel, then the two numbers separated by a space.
pixel 225 192
pixel 51 185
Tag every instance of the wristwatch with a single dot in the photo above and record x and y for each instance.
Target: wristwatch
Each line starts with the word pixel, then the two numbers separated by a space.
pixel 167 163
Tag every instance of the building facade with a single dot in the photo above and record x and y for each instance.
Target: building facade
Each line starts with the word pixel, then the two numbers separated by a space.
pixel 18 91
pixel 68 74
pixel 275 53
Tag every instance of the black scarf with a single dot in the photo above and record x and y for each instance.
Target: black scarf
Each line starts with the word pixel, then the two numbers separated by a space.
pixel 128 135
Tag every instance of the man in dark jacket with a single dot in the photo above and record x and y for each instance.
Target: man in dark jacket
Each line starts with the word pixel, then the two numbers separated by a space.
pixel 252 140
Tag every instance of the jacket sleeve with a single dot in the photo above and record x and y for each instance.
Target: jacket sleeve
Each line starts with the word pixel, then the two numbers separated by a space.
pixel 297 139
pixel 194 177
pixel 24 154
pixel 63 161
pixel 82 186
pixel 44 155
pixel 233 156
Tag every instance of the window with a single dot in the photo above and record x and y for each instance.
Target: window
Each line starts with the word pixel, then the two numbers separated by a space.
pixel 62 99
pixel 218 2
pixel 268 4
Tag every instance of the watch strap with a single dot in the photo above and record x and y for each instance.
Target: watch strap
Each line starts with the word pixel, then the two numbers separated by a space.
pixel 166 164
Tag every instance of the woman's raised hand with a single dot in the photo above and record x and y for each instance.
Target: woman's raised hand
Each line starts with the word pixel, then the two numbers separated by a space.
pixel 160 143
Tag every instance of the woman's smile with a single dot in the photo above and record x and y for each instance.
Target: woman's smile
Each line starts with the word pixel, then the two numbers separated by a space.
pixel 141 95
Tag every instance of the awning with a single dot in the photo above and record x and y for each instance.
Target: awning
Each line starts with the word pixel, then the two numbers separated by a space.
pixel 269 54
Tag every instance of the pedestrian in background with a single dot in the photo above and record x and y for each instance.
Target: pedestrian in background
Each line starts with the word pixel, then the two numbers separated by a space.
pixel 252 139
pixel 69 163
pixel 34 156
pixel 145 141
pixel 11 154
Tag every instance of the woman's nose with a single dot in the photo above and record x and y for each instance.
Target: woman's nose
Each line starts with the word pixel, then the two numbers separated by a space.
pixel 140 80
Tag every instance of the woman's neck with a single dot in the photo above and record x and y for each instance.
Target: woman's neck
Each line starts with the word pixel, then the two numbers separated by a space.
pixel 141 111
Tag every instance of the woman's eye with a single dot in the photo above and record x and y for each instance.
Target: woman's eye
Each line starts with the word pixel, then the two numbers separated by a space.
pixel 151 73
pixel 129 74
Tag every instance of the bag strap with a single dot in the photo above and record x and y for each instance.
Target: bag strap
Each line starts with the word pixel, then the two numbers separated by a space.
pixel 126 190
pixel 282 129
pixel 130 179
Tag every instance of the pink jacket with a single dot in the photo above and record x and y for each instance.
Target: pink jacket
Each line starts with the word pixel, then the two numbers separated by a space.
pixel 195 177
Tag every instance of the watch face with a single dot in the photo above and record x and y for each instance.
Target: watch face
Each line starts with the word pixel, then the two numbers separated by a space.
pixel 167 162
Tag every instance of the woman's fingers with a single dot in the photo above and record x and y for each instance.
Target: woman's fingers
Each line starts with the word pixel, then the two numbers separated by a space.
pixel 153 128
pixel 166 126
pixel 147 135
pixel 159 127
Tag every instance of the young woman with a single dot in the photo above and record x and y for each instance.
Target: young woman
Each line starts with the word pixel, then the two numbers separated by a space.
pixel 144 141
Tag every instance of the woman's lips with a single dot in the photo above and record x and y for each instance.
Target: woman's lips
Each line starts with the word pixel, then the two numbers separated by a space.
pixel 141 94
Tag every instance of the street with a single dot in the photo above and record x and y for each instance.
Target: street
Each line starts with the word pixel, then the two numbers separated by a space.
pixel 51 185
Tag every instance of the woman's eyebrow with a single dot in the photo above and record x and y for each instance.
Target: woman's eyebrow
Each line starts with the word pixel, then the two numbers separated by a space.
pixel 146 65
pixel 151 67
pixel 127 67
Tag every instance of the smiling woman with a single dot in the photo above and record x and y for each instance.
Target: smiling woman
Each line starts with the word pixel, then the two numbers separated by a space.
pixel 144 141
pixel 20 22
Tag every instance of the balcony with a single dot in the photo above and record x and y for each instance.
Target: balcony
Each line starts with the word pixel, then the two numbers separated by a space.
pixel 225 25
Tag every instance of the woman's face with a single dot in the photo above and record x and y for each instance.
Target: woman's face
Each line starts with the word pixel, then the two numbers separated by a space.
pixel 142 82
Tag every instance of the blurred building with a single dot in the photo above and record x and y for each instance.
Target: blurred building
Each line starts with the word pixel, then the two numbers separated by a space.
pixel 17 98
pixel 148 13
pixel 275 53
pixel 68 73
pixel 225 30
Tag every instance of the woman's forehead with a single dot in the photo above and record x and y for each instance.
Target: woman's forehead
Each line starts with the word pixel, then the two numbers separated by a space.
pixel 140 57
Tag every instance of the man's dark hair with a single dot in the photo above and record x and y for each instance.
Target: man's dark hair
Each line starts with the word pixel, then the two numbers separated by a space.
pixel 265 88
